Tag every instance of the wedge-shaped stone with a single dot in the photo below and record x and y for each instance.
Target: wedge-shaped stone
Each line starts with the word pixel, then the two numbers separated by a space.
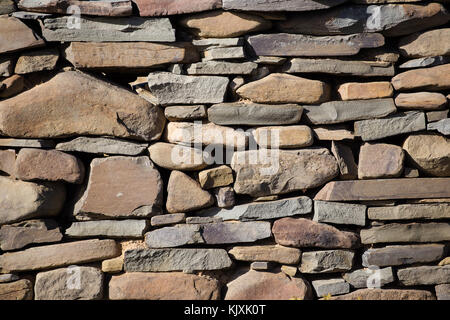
pixel 108 29
pixel 19 235
pixel 345 159
pixel 369 278
pixel 222 24
pixel 163 286
pixel 343 111
pixel 424 275
pixel 399 123
pixel 107 229
pixel 365 91
pixel 86 106
pixel 176 157
pixel 16 35
pixel 306 233
pixel 121 187
pixel 53 285
pixel 284 137
pixel 176 236
pixel 410 211
pixel 267 172
pixel 442 126
pixel 270 253
pixel 330 287
pixel 130 55
pixel 25 200
pixel 254 114
pixel 102 146
pixel 327 261
pixel 380 160
pixel 385 189
pixel 282 5
pixel 292 45
pixel 171 89
pixel 17 290
pixel 114 8
pixel 433 79
pixel 152 8
pixel 161 260
pixel 340 213
pixel 412 232
pixel 392 20
pixel 59 255
pixel 421 100
pixel 386 294
pixel 236 232
pixel 426 44
pixel 221 68
pixel 185 113
pixel 256 285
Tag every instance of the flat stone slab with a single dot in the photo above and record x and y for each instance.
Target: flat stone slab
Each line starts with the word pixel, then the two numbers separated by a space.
pixel 185 113
pixel 345 159
pixel 330 287
pixel 17 290
pixel 269 253
pixel 116 8
pixel 283 137
pixel 282 5
pixel 428 43
pixel 380 160
pixel 236 232
pixel 385 189
pixel 336 132
pixel 107 228
pixel 441 126
pixel 369 278
pixel 177 236
pixel 168 219
pixel 424 275
pixel 327 261
pixel 227 53
pixel 424 62
pixel 157 260
pixel 102 145
pixel 153 8
pixel 177 157
pixel 421 101
pixel 365 90
pixel 442 291
pixel 340 213
pixel 410 211
pixel 386 294
pixel 221 68
pixel 8 277
pixel 433 79
pixel 26 143
pixel 38 60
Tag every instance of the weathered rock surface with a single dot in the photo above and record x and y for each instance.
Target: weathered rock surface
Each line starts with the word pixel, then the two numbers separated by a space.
pixel 185 113
pixel 380 160
pixel 306 233
pixel 151 8
pixel 256 285
pixel 176 157
pixel 369 278
pixel 442 126
pixel 424 275
pixel 59 284
pixel 7 65
pixel 420 100
pixel 345 159
pixel 283 5
pixel 176 236
pixel 284 88
pixel 12 86
pixel 101 109
pixel 7 6
pixel 340 213
pixel 221 68
pixel 442 291
pixel 287 137
pixel 365 91
pixel 59 255
pixel 433 79
pixel 267 172
pixel 424 62
pixel 430 153
pixel 26 143
pixel 386 294
pixel 336 132
pixel 434 116
pixel 7 161
pixel 168 219
pixel 326 261
pixel 227 53
pixel 426 44
pixel 216 177
pixel 161 260
pixel 16 36
pixel 270 253
pixel 410 211
pixel 17 290
pixel 236 232
pixel 121 187
pixel 25 200
pixel 19 235
pixel 225 197
pixel 330 287
pixel 107 228
pixel 8 277
pixel 35 61
pixel 102 145
pixel 115 8
pixel 163 286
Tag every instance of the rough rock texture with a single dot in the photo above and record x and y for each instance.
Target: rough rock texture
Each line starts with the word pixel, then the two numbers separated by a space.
pixel 443 291
pixel 7 161
pixel 17 36
pixel 236 232
pixel 35 61
pixel 429 43
pixel 176 157
pixel 339 213
pixel 176 236
pixel 424 275
pixel 380 160
pixel 270 253
pixel 420 100
pixel 102 145
pixel 344 156
pixel 327 261
pixel 386 294
pixel 410 211
pixel 215 177
pixel 151 8
pixel 290 137
pixel 283 5
pixel 330 287
pixel 107 228
pixel 442 126
pixel 96 8
pixel 363 91
pixel 433 79
pixel 17 290
pixel 369 278
pixel 185 113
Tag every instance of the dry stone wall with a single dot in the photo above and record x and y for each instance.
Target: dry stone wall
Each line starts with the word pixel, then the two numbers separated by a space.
pixel 224 149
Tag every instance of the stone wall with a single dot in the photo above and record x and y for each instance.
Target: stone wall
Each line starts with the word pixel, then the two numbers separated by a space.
pixel 224 149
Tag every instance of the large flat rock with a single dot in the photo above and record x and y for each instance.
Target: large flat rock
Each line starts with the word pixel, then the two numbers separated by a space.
pixel 432 211
pixel 176 236
pixel 386 294
pixel 424 275
pixel 426 44
pixel 111 8
pixel 153 8
pixel 236 232
pixel 281 5
pixel 102 145
pixel 433 79
pixel 16 36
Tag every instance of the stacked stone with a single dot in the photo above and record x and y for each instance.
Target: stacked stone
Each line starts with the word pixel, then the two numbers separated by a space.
pixel 224 149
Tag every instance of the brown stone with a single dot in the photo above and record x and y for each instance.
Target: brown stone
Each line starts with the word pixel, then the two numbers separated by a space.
pixel 384 189
pixel 216 177
pixel 130 55
pixel 176 157
pixel 224 24
pixel 336 132
pixel 430 153
pixel 95 8
pixel 163 286
pixel 12 86
pixel 433 79
pixel 7 161
pixel 184 194
pixel 153 8
pixel 35 61
pixel 17 290
pixel 380 160
pixel 270 253
pixel 426 44
pixel 386 294
pixel 86 106
pixel 345 160
pixel 15 36
pixel 286 137
pixel 363 91
pixel 121 187
pixel 285 88
pixel 168 219
pixel 420 100
pixel 300 232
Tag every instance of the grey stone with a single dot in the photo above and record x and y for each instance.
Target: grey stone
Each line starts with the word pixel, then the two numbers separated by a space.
pixel 433 116
pixel 203 220
pixel 102 145
pixel 281 5
pixel 149 260
pixel 170 89
pixel 221 68
pixel 339 213
pixel 108 228
pixel 168 219
pixel 264 210
pixel 326 261
pixel 225 197
pixel 185 113
pixel 424 275
pixel 224 53
pixel 330 287
pixel 35 61
pixel 105 29
pixel 269 60
pixel 372 278
pixel 261 265
pixel 393 125
pixel 176 157
pixel 26 143
pixel 217 42
pixel 8 277
pixel 7 6
pixel 425 62
pixel 236 232
pixel 59 284
pixel 337 132
pixel 442 126
pixel 254 114
pixel 412 232
pixel 340 67
pixel 410 211
pixel 343 111
pixel 19 235
pixel 176 236
pixel 443 291
pixel 345 160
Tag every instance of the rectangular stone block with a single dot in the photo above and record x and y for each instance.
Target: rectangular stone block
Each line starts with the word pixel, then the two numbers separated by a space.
pixel 339 213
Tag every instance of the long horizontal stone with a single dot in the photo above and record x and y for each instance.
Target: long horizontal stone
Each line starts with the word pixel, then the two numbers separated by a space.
pixel 177 236
pixel 442 126
pixel 254 114
pixel 153 8
pixel 386 294
pixel 236 232
pixel 17 290
pixel 421 100
pixel 337 132
pixel 433 79
pixel 443 291
pixel 228 53
pixel 369 278
pixel 8 277
pixel 264 210
pixel 160 260
pixel 424 275
pixel 285 44
pixel 177 157
pixel 412 232
pixel 221 68
pixel 26 143
pixel 108 29
pixel 403 255
pixel 385 189
pixel 426 44
pixel 168 219
pixel 410 211
pixel 340 213
pixel 343 111
pixel 114 8
pixel 280 5
pixel 283 137
pixel 399 123
pixel 17 36
pixel 339 67
pixel 102 145
pixel 330 287
pixel 59 255
pixel 425 62
pixel 107 229
pixel 326 261
pixel 270 253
